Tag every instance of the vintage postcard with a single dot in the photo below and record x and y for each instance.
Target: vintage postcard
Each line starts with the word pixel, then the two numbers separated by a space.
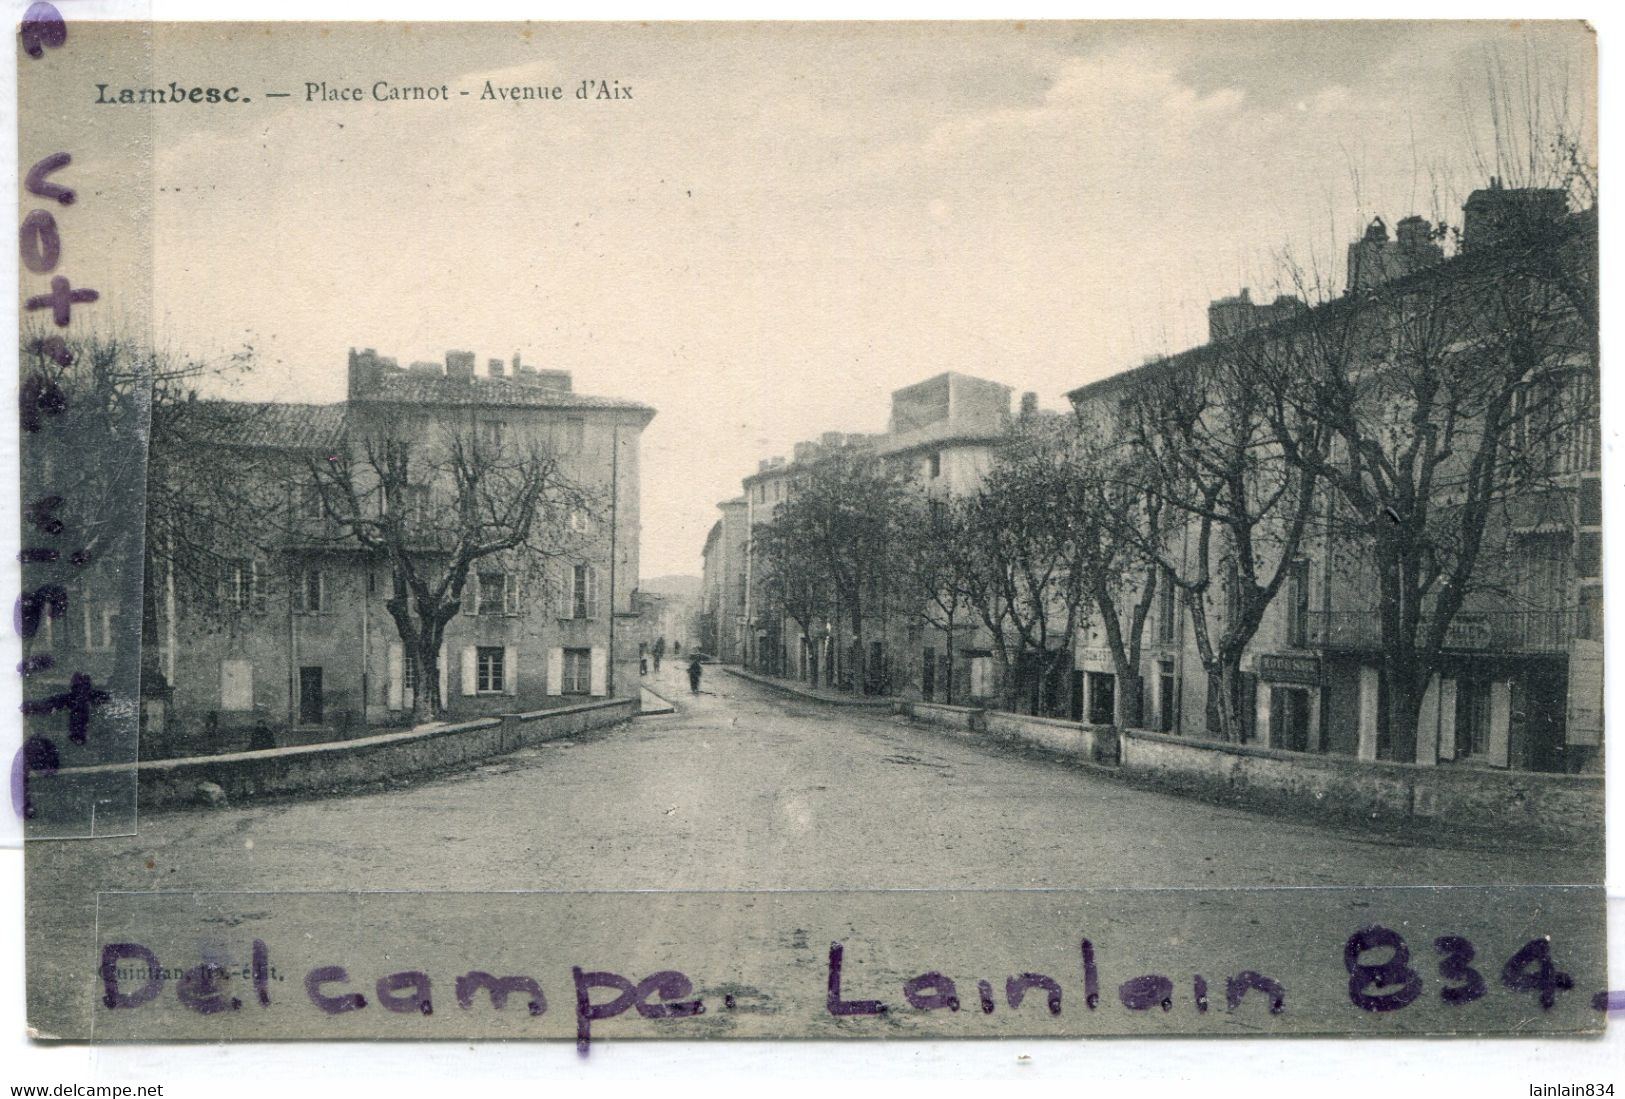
pixel 889 530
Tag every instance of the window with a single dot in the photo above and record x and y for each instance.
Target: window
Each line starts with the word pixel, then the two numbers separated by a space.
pixel 1472 717
pixel 934 465
pixel 1297 604
pixel 310 592
pixel 245 586
pixel 492 433
pixel 412 501
pixel 310 500
pixel 583 592
pixel 100 619
pixel 409 673
pixel 580 521
pixel 493 593
pixel 1590 502
pixel 1165 608
pixel 1590 556
pixel 577 672
pixel 488 677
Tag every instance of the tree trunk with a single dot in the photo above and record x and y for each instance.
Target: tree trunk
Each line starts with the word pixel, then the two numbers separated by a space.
pixel 1406 683
pixel 1131 698
pixel 426 698
pixel 1225 681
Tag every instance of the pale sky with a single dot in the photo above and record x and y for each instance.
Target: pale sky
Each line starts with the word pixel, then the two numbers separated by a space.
pixel 784 223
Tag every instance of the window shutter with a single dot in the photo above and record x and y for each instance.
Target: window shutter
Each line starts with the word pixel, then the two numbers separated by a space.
pixel 555 671
pixel 1500 721
pixel 470 669
pixel 510 594
pixel 258 580
pixel 296 591
pixel 321 592
pixel 471 594
pixel 592 592
pixel 510 671
pixel 440 664
pixel 395 699
pixel 599 665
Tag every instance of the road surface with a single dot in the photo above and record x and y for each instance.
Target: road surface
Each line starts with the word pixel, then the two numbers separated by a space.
pixel 741 789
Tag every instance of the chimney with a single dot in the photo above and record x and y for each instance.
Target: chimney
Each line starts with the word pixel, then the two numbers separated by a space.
pixel 460 364
pixel 1413 232
pixel 1498 212
pixel 516 363
pixel 1029 405
pixel 363 372
pixel 425 368
pixel 494 367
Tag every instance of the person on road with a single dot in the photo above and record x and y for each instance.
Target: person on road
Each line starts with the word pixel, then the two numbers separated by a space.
pixel 694 675
pixel 660 651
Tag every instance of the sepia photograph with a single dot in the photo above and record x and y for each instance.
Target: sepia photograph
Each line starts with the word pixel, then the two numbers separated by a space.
pixel 846 531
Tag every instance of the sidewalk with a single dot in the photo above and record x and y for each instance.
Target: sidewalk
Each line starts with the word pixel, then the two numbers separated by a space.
pixel 814 694
pixel 654 704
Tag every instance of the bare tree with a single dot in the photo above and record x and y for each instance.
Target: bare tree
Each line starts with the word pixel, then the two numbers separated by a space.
pixel 1234 511
pixel 434 503
pixel 1449 398
pixel 935 563
pixel 842 519
pixel 1026 582
pixel 121 461
pixel 789 576
pixel 1120 514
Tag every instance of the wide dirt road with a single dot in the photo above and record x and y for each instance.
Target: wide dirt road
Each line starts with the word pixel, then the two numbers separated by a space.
pixel 741 789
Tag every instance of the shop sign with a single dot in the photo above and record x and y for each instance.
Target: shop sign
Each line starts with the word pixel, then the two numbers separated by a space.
pixel 1289 668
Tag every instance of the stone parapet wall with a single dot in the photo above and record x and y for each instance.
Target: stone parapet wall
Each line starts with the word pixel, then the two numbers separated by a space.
pixel 320 768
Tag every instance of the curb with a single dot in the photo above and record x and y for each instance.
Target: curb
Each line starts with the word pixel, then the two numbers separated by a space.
pixel 667 705
pixel 786 688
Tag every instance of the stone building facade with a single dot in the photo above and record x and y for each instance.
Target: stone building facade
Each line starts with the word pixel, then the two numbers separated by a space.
pixel 941 435
pixel 1518 683
pixel 295 643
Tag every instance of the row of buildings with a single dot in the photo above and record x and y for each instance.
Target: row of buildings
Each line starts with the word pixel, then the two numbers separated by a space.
pixel 1516 682
pixel 268 618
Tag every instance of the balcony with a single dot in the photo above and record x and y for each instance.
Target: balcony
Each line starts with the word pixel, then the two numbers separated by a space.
pixel 1471 631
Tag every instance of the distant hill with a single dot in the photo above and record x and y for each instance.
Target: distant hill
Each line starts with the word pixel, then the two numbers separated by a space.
pixel 678 588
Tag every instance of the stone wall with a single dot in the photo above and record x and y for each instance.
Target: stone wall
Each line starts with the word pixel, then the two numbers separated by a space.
pixel 1531 807
pixel 1091 743
pixel 334 766
pixel 1523 805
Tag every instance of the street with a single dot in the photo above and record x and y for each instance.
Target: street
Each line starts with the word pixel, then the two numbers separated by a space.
pixel 741 789
pixel 747 789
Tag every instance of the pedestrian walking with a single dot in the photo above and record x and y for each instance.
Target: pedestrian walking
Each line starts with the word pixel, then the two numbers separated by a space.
pixel 694 675
pixel 660 651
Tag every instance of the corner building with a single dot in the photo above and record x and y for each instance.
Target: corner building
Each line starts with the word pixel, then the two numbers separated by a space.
pixel 295 642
